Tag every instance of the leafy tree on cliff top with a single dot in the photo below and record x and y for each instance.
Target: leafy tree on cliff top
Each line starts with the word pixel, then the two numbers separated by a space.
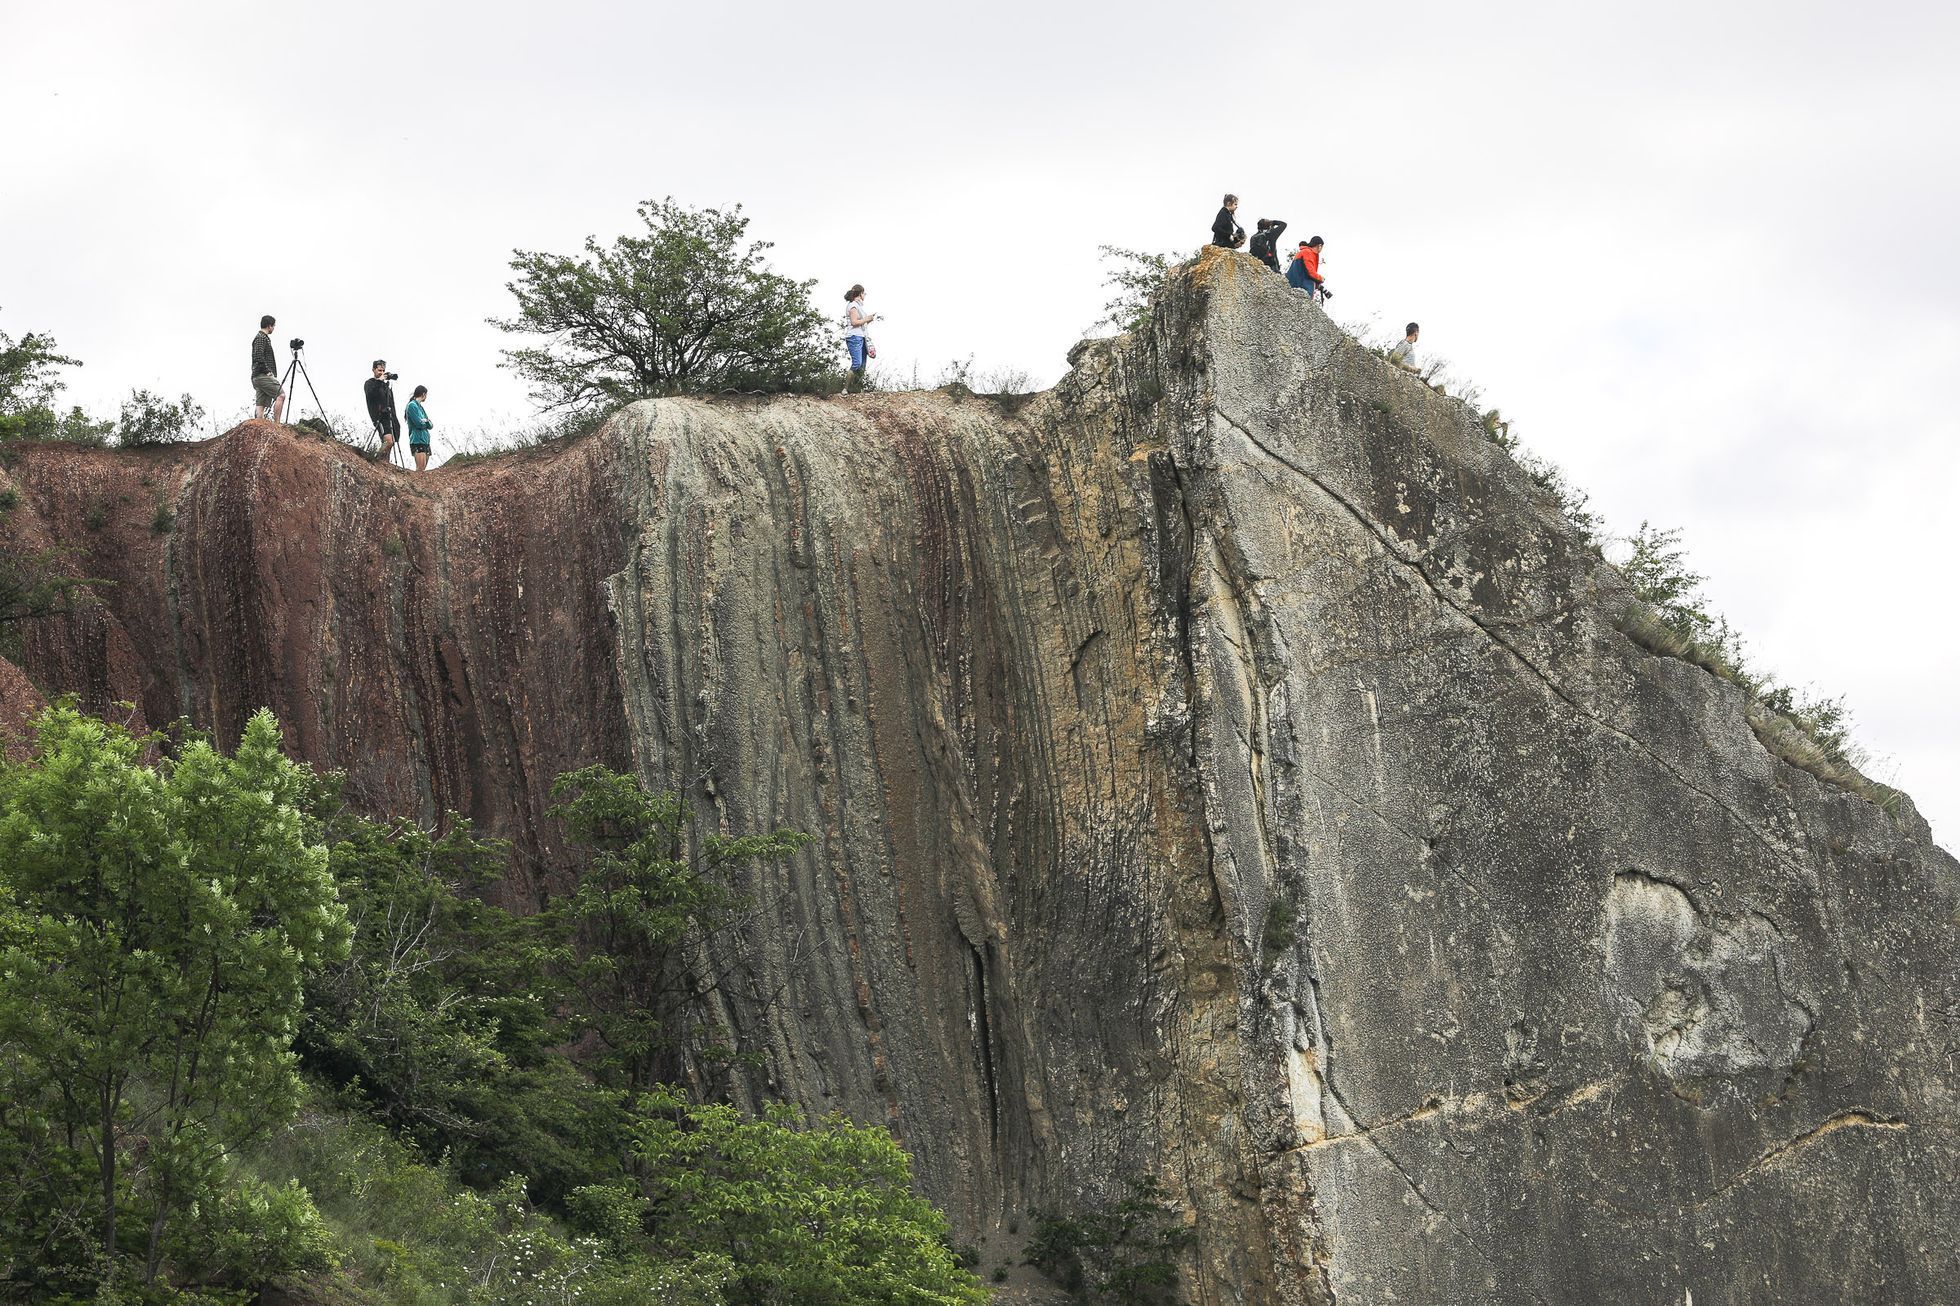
pixel 156 923
pixel 30 385
pixel 684 308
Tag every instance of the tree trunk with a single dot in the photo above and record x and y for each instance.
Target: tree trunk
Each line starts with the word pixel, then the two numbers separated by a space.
pixel 108 1173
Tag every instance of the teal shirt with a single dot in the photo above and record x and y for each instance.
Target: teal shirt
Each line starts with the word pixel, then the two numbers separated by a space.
pixel 419 424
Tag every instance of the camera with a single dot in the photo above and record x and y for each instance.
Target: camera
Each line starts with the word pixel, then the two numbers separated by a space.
pixel 392 376
pixel 296 344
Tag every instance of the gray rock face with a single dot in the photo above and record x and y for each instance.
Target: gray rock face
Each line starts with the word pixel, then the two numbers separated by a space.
pixel 1227 770
pixel 1230 771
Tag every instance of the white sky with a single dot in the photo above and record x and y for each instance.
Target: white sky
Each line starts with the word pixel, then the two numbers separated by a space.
pixel 1704 255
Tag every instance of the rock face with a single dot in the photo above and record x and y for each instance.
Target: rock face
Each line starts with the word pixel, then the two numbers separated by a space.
pixel 1226 769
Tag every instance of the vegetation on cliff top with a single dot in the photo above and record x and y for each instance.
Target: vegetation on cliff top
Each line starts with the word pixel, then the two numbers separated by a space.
pixel 248 1038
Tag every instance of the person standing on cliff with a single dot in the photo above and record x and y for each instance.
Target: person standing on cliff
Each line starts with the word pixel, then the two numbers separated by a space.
pixel 419 427
pixel 855 321
pixel 381 408
pixel 1404 354
pixel 1265 241
pixel 1304 272
pixel 1225 232
pixel 268 396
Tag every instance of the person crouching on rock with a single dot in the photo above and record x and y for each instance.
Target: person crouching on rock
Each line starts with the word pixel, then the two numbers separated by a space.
pixel 1304 272
pixel 1265 242
pixel 1226 233
pixel 419 427
pixel 855 321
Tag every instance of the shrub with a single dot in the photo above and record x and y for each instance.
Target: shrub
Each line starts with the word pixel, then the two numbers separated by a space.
pixel 149 419
pixel 1134 279
pixel 1125 1253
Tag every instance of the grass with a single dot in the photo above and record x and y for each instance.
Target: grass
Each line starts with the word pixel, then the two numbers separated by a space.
pixel 1818 748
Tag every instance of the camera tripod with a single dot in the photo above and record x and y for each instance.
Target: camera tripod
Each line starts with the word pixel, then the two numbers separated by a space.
pixel 299 365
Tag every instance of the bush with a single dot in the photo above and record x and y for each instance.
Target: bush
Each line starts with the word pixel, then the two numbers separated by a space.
pixel 821 1214
pixel 149 419
pixel 1126 1253
pixel 1134 279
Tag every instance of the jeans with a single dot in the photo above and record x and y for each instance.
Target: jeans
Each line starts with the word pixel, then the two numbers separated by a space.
pixel 856 345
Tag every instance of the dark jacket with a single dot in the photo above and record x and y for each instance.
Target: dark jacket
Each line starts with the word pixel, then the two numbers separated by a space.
pixel 1263 243
pixel 263 362
pixel 1226 232
pixel 381 406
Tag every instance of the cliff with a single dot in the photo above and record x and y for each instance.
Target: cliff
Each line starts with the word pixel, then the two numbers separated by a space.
pixel 1225 766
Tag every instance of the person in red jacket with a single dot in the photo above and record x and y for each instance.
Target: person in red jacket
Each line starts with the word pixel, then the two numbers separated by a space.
pixel 1304 272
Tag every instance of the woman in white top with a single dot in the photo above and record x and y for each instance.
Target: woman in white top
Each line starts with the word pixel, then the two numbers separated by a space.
pixel 855 321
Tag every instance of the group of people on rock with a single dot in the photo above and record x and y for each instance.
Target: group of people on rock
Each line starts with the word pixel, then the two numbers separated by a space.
pixel 269 398
pixel 1302 272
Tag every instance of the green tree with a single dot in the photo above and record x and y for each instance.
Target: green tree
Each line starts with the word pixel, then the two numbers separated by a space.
pixel 33 582
pixel 641 899
pixel 1134 279
pixel 30 388
pixel 444 1020
pixel 149 418
pixel 821 1214
pixel 158 921
pixel 686 307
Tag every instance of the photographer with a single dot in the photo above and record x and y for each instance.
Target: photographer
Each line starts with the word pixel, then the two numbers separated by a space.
pixel 1303 273
pixel 381 407
pixel 1265 243
pixel 268 396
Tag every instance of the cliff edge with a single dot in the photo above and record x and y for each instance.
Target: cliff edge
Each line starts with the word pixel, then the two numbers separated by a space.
pixel 1226 768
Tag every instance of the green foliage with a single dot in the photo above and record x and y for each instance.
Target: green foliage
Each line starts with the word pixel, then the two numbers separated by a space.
pixel 1566 498
pixel 30 387
pixel 164 520
pixel 684 308
pixel 1134 279
pixel 1126 1253
pixel 149 419
pixel 443 1021
pixel 160 919
pixel 1673 618
pixel 35 584
pixel 641 898
pixel 1277 934
pixel 821 1214
pixel 408 1234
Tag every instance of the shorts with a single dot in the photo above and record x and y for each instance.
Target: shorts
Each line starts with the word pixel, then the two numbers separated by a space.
pixel 268 389
pixel 387 424
pixel 418 444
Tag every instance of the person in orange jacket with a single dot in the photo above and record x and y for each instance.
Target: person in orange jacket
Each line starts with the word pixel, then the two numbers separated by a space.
pixel 1304 272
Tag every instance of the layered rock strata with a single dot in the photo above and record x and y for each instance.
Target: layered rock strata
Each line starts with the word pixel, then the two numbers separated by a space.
pixel 1226 768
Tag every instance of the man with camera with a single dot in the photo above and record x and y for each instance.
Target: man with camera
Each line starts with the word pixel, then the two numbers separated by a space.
pixel 381 407
pixel 268 396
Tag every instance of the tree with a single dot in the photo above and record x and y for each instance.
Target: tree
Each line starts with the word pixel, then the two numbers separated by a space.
pixel 1134 279
pixel 445 1019
pixel 641 898
pixel 821 1214
pixel 682 309
pixel 156 922
pixel 149 418
pixel 30 385
pixel 33 582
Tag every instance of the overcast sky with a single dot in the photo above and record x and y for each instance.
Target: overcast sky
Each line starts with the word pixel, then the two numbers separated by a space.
pixel 1703 255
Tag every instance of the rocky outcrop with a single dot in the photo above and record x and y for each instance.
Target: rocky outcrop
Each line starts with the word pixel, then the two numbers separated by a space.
pixel 1225 769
